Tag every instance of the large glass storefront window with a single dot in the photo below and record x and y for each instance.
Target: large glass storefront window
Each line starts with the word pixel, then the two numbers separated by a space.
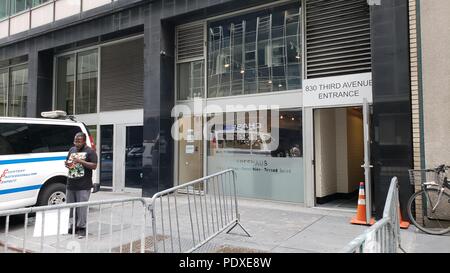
pixel 87 78
pixel 255 53
pixel 18 91
pixel 66 83
pixel 77 82
pixel 13 90
pixel 245 142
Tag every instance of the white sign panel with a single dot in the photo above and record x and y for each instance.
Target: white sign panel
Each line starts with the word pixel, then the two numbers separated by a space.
pixel 51 222
pixel 335 91
pixel 190 149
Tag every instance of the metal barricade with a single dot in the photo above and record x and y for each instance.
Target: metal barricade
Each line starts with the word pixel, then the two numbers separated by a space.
pixel 384 235
pixel 186 217
pixel 112 226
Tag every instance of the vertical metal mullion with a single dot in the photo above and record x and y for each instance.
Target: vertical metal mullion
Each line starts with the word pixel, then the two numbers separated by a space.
pixel 99 67
pixel 232 32
pixel 270 61
pixel 54 11
pixel 303 40
pixel 243 55
pixel 8 80
pixel 256 55
pixel 75 82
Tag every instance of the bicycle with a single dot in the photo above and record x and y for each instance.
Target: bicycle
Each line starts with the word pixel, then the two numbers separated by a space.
pixel 429 208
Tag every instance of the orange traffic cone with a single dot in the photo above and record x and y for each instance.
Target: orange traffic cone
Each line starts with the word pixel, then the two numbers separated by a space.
pixel 360 218
pixel 403 224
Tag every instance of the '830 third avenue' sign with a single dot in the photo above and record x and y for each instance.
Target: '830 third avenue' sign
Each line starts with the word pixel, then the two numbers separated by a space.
pixel 335 91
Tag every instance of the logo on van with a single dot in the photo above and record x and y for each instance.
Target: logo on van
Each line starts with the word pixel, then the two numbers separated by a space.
pixel 3 175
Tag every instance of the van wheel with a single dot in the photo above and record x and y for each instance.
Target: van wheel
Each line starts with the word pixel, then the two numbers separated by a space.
pixel 53 194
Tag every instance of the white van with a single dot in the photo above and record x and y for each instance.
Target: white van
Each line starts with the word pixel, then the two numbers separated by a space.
pixel 32 155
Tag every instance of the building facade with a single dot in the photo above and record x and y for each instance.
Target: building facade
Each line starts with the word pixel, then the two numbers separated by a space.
pixel 304 99
pixel 430 76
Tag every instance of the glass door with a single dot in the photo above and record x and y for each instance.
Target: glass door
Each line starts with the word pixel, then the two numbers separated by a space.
pixel 133 156
pixel 106 155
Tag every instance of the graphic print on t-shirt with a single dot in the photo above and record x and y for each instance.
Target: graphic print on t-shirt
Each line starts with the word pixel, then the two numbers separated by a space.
pixel 76 170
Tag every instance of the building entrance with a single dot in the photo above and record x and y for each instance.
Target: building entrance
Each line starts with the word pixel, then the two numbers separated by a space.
pixel 339 154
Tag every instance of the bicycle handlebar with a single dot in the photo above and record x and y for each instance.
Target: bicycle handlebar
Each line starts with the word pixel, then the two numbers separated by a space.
pixel 441 168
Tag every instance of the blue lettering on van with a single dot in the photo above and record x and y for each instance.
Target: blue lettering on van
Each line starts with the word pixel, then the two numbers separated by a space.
pixel 32 160
pixel 15 190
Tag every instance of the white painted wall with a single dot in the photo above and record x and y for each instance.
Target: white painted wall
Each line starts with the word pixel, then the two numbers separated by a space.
pixel 339 150
pixel 325 146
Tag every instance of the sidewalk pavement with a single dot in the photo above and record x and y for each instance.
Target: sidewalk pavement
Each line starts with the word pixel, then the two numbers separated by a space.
pixel 274 227
pixel 293 228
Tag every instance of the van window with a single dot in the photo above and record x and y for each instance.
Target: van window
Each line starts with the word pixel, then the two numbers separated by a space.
pixel 13 139
pixel 51 138
pixel 36 138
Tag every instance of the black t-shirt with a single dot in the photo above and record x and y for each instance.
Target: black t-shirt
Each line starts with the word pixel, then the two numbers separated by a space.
pixel 80 177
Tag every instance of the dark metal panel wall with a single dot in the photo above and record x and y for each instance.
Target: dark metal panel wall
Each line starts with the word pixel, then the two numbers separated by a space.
pixel 392 152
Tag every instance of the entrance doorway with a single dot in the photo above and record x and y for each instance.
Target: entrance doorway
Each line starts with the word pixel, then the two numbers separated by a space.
pixel 190 149
pixel 339 153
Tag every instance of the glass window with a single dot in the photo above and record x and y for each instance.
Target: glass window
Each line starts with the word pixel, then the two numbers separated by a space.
pixel 18 6
pixel 35 3
pixel 87 77
pixel 14 139
pixel 45 138
pixel 4 12
pixel 265 149
pixel 3 91
pixel 66 83
pixel 255 53
pixel 77 80
pixel 191 80
pixel 17 97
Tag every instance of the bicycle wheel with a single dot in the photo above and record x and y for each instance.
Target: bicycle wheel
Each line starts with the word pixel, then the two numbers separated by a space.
pixel 421 213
